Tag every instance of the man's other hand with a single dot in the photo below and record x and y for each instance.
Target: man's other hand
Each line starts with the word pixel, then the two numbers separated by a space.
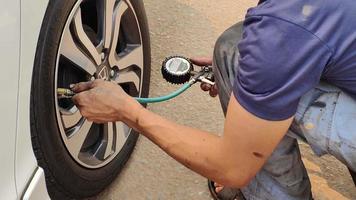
pixel 205 61
pixel 102 101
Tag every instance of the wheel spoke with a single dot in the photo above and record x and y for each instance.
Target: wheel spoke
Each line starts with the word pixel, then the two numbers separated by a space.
pixel 109 139
pixel 71 51
pixel 77 137
pixel 70 120
pixel 119 11
pixel 107 22
pixel 127 74
pixel 132 56
pixel 122 131
pixel 129 77
pixel 84 39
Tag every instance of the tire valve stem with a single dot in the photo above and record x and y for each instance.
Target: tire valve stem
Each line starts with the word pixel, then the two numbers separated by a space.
pixel 64 93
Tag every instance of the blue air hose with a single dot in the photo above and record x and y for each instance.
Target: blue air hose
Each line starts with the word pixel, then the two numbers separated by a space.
pixel 165 98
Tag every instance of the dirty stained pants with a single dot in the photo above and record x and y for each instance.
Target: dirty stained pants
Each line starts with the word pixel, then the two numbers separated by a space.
pixel 325 119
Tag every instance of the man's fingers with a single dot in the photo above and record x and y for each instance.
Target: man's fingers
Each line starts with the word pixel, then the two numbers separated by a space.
pixel 80 87
pixel 83 86
pixel 81 98
pixel 205 87
pixel 213 91
pixel 77 99
pixel 202 61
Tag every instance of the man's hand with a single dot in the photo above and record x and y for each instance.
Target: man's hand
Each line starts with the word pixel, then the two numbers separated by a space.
pixel 204 61
pixel 102 101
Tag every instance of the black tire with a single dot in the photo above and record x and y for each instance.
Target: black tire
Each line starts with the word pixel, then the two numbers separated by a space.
pixel 65 178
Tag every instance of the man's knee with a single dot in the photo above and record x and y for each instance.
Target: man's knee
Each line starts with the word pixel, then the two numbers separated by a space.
pixel 226 44
pixel 225 62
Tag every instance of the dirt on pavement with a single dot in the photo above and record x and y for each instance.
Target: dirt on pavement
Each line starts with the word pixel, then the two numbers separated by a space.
pixel 190 28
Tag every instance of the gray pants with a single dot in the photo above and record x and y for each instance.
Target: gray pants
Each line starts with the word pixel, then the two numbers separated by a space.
pixel 325 120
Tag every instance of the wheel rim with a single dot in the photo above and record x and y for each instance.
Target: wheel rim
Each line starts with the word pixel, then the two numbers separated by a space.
pixel 101 40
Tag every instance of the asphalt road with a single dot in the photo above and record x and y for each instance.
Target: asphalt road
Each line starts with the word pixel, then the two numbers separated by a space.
pixel 190 28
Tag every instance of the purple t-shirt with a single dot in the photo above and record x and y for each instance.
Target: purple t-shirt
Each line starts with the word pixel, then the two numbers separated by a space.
pixel 288 46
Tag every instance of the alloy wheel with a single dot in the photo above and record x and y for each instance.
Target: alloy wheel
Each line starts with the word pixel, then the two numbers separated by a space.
pixel 101 40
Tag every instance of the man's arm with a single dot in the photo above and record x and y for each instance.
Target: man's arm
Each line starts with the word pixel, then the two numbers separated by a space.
pixel 232 160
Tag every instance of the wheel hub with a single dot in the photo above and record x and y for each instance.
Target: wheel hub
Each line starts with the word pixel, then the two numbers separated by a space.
pixel 104 72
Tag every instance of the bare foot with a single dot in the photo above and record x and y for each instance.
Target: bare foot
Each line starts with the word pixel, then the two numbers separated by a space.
pixel 226 193
pixel 218 187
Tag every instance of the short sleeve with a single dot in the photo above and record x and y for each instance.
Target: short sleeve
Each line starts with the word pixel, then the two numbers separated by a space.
pixel 279 62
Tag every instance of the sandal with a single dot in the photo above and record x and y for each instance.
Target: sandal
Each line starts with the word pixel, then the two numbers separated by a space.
pixel 226 194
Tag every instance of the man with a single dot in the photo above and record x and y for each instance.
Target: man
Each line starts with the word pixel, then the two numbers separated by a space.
pixel 269 82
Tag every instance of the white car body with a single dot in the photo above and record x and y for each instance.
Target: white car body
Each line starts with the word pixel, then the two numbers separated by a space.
pixel 20 24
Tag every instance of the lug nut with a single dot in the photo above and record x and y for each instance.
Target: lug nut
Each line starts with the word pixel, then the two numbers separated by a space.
pixel 92 78
pixel 102 56
pixel 112 73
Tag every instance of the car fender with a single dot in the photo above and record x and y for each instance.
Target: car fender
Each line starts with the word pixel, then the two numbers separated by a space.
pixel 32 14
pixel 9 51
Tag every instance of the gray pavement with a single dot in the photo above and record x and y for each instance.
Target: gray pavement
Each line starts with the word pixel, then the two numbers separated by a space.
pixel 190 28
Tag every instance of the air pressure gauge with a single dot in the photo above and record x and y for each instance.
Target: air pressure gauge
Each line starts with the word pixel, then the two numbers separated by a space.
pixel 177 69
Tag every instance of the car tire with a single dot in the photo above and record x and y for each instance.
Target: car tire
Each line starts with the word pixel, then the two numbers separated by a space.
pixel 66 178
